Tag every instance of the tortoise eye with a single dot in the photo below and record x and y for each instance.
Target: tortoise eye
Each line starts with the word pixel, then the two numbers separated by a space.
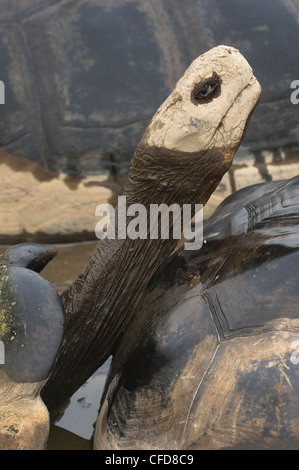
pixel 206 90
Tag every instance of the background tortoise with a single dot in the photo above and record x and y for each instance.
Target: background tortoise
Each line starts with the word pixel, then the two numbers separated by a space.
pixel 31 327
pixel 82 79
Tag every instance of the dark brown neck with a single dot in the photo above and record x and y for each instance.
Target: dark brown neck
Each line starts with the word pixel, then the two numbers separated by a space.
pixel 100 304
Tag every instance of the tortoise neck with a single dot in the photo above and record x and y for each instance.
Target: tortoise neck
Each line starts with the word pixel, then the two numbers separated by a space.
pixel 159 175
pixel 99 307
pixel 101 302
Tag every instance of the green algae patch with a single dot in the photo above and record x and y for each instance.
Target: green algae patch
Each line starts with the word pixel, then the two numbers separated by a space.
pixel 7 301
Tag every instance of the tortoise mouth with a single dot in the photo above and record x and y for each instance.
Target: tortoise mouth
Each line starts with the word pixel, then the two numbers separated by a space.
pixel 241 111
pixel 256 87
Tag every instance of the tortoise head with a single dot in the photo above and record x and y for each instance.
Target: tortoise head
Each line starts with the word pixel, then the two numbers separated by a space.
pixel 206 114
pixel 210 105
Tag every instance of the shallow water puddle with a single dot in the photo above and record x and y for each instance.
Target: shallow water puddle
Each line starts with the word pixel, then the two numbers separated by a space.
pixel 74 429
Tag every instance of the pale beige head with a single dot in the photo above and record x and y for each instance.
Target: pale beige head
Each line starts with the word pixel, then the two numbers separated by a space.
pixel 209 106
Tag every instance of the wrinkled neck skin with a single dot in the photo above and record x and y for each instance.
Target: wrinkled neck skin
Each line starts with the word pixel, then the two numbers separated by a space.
pixel 100 303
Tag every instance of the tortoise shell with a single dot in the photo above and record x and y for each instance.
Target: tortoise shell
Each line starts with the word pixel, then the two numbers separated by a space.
pixel 31 314
pixel 83 78
pixel 211 359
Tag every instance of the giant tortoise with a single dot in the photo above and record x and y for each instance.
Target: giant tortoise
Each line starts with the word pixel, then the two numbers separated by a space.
pixel 186 149
pixel 83 77
pixel 208 357
pixel 188 146
pixel 31 327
